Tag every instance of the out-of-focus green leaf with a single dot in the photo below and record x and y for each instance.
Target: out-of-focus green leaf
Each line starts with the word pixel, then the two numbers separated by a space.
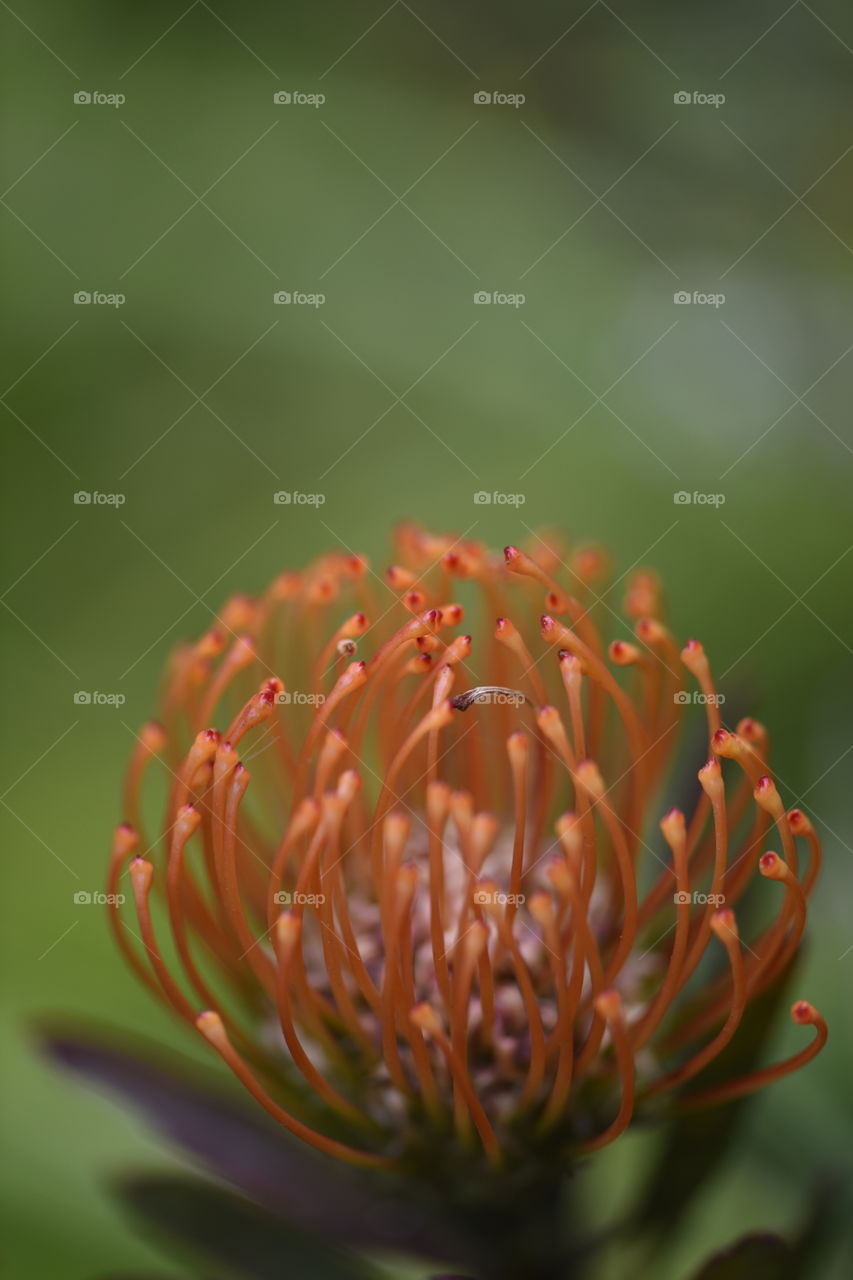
pixel 821 1231
pixel 765 1256
pixel 696 1142
pixel 238 1237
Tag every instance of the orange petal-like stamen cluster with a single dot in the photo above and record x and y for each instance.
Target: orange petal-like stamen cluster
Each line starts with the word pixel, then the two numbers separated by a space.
pixel 418 876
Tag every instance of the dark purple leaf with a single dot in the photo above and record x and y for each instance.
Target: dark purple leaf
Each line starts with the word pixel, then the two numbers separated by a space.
pixel 239 1144
pixel 755 1257
pixel 237 1236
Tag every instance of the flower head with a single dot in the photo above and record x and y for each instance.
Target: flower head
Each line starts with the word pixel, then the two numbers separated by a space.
pixel 417 892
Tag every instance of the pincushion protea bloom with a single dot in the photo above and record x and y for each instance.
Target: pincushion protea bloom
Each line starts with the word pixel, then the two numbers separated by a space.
pixel 411 891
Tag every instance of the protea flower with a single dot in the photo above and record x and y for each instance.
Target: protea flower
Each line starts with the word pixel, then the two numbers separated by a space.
pixel 410 886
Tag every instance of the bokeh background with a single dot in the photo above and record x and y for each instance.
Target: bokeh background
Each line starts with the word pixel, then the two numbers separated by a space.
pixel 596 398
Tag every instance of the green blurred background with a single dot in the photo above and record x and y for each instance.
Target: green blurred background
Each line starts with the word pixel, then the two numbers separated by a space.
pixel 597 398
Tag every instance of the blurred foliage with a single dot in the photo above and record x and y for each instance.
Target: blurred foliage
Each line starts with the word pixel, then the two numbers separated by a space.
pixel 398 199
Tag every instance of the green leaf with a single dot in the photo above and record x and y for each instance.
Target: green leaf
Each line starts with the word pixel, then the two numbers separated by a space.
pixel 765 1256
pixel 696 1143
